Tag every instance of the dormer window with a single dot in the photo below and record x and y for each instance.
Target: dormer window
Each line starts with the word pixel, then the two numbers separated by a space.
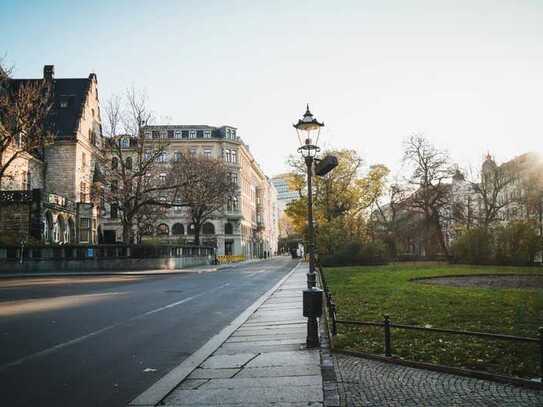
pixel 170 133
pixel 200 134
pixel 178 134
pixel 227 133
pixel 207 134
pixel 192 134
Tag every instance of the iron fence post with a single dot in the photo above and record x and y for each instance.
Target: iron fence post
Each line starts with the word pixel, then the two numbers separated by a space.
pixel 388 347
pixel 540 334
pixel 333 310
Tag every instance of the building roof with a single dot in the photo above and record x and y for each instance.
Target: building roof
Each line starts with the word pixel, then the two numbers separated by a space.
pixel 69 96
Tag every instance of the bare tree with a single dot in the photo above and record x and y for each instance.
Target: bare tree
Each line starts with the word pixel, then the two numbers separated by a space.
pixel 24 114
pixel 431 171
pixel 389 215
pixel 136 169
pixel 492 190
pixel 205 186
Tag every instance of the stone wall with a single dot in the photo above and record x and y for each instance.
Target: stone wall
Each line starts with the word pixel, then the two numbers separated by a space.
pixel 60 171
pixel 15 220
pixel 100 265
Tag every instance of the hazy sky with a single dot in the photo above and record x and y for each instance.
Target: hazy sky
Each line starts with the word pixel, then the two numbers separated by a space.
pixel 466 74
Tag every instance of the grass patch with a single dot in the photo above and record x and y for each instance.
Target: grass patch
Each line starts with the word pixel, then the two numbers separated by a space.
pixel 367 293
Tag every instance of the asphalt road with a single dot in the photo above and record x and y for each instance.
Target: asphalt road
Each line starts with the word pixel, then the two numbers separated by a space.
pixel 102 340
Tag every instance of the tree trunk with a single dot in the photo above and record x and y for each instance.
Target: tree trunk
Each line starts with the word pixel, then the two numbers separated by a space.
pixel 196 234
pixel 127 230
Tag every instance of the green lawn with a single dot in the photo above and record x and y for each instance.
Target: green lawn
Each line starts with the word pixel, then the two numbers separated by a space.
pixel 367 293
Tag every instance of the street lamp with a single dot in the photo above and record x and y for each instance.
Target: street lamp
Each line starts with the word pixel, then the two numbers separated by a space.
pixel 308 130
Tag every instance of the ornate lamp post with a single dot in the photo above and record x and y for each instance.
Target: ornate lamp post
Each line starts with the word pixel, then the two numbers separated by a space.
pixel 308 129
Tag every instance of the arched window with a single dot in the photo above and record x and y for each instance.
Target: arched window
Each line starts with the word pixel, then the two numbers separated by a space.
pixel 128 163
pixel 162 230
pixel 228 229
pixel 208 228
pixel 114 163
pixel 190 230
pixel 147 230
pixel 178 229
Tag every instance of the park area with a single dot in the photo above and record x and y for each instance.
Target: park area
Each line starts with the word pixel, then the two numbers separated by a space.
pixel 493 299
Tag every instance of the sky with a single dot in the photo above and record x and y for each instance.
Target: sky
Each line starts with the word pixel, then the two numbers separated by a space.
pixel 465 74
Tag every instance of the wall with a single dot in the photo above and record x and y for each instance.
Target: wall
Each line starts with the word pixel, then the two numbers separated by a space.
pixel 101 265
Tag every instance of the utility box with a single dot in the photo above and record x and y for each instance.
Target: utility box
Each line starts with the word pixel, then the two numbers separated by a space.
pixel 312 302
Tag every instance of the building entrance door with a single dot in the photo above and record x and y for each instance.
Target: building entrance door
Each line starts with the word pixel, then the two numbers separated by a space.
pixel 228 247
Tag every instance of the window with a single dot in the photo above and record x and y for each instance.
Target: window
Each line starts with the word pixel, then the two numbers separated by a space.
pixel 184 134
pixel 84 229
pixel 199 134
pixel 227 155
pixel 83 192
pixel 207 152
pixel 207 134
pixel 233 134
pixel 234 178
pixel 177 156
pixel 193 151
pixel 147 154
pixel 113 211
pixel 234 156
pixel 84 160
pixel 125 142
pixel 208 228
pixel 170 133
pixel 148 135
pixel 192 134
pixel 162 178
pixel 178 134
pixel 178 229
pixel 156 134
pixel 128 164
pixel 228 133
pixel 114 163
pixel 92 113
pixel 162 230
pixel 162 157
pixel 228 229
pixel 28 181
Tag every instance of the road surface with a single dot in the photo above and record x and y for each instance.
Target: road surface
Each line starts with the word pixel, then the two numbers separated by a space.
pixel 102 340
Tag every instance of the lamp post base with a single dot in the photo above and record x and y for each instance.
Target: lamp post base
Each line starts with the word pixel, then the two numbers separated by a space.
pixel 312 340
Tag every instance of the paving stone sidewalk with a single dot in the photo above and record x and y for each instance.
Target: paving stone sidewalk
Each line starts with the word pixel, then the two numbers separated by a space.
pixel 365 382
pixel 263 363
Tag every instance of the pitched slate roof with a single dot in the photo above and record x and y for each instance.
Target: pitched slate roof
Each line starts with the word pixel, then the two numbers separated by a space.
pixel 69 97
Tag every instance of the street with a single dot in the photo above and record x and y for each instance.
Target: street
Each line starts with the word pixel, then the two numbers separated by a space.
pixel 102 340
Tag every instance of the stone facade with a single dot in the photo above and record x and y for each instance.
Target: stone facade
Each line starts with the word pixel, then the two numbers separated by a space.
pixel 63 172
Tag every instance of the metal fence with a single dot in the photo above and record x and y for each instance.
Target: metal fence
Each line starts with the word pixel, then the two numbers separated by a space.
pixel 68 252
pixel 387 326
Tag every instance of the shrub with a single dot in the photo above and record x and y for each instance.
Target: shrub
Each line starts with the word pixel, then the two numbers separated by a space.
pixel 358 254
pixel 516 243
pixel 474 246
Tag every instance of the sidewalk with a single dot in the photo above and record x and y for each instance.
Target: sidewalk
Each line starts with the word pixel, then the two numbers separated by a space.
pixel 263 362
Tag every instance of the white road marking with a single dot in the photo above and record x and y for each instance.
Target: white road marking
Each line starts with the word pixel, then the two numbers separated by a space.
pixel 102 330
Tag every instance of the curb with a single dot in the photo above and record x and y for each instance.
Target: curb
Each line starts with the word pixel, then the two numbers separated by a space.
pixel 164 386
pixel 194 269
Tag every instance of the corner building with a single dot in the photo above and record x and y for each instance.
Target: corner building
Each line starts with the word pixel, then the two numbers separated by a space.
pixel 249 225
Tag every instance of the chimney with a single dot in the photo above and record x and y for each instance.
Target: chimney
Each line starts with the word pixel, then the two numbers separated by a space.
pixel 48 72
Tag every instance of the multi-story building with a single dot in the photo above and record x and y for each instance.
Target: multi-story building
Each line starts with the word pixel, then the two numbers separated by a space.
pixel 284 194
pixel 46 195
pixel 248 226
